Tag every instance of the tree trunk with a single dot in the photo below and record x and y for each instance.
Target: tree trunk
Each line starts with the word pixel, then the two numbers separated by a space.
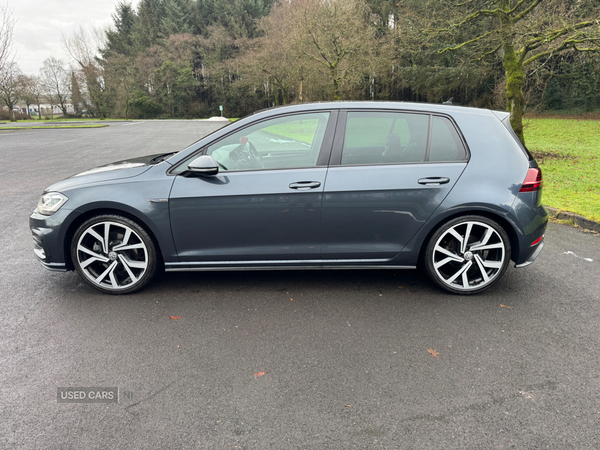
pixel 336 88
pixel 515 79
pixel 284 95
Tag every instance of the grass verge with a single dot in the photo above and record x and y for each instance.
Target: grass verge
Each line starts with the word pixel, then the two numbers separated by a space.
pixel 568 152
pixel 51 127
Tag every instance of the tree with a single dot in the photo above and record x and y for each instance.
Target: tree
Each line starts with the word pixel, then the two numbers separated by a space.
pixel 147 27
pixel 6 36
pixel 10 87
pixel 37 89
pixel 524 32
pixel 176 18
pixel 76 97
pixel 57 81
pixel 119 40
pixel 83 48
pixel 120 79
pixel 270 61
pixel 28 88
pixel 336 36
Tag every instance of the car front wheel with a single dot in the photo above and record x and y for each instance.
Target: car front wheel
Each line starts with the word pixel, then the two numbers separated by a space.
pixel 114 254
pixel 467 255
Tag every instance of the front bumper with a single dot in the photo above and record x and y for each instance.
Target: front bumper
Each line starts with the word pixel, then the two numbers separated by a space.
pixel 48 239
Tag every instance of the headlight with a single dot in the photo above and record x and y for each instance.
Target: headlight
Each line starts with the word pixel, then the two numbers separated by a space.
pixel 50 202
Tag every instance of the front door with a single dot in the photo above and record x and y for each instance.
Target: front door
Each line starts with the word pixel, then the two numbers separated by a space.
pixel 265 203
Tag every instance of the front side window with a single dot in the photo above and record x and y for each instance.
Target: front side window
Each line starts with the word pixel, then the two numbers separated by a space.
pixel 281 143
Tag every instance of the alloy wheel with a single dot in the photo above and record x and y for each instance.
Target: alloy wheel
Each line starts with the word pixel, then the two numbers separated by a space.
pixel 112 255
pixel 469 255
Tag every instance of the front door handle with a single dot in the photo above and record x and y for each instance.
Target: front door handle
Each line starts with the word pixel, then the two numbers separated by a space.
pixel 305 185
pixel 434 181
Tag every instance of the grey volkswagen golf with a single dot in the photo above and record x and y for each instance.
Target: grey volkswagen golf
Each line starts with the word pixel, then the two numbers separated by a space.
pixel 331 185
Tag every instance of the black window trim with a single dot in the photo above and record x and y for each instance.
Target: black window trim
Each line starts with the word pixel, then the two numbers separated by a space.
pixel 340 134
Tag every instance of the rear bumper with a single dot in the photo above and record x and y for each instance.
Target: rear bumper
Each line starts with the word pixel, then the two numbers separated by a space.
pixel 533 257
pixel 530 220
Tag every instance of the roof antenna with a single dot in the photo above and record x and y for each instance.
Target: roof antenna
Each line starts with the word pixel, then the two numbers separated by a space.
pixel 449 101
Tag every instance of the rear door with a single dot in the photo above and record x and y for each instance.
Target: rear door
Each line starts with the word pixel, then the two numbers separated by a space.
pixel 388 173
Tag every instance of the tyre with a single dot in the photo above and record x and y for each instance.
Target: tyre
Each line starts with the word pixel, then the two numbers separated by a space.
pixel 467 255
pixel 114 254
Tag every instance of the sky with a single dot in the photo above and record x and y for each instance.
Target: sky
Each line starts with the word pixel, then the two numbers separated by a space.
pixel 39 25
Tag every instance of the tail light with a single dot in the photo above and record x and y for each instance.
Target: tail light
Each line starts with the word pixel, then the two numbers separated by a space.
pixel 533 180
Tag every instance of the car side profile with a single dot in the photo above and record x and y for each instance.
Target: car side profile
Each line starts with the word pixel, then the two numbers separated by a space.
pixel 379 185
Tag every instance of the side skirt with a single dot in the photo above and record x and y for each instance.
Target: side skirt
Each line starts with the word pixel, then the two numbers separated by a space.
pixel 283 265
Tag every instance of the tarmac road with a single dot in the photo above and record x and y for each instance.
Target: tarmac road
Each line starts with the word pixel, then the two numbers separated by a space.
pixel 344 353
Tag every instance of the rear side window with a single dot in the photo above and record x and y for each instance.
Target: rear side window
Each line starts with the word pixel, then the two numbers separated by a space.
pixel 383 138
pixel 398 138
pixel 445 143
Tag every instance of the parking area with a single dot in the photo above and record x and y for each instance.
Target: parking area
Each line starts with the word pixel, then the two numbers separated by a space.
pixel 284 359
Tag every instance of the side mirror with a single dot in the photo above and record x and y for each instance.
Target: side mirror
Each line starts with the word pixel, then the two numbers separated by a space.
pixel 203 166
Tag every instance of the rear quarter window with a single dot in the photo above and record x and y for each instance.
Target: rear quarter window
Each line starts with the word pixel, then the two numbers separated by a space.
pixel 446 144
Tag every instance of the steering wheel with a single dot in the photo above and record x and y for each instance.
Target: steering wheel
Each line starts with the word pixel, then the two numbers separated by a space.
pixel 253 154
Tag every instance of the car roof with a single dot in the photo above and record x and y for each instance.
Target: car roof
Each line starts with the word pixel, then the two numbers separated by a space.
pixel 401 106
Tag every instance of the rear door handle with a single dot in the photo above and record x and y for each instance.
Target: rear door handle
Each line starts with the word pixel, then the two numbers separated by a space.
pixel 434 181
pixel 305 185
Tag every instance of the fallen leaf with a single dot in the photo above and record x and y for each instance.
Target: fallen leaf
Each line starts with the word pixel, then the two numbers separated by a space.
pixel 174 317
pixel 504 306
pixel 433 352
pixel 348 406
pixel 258 374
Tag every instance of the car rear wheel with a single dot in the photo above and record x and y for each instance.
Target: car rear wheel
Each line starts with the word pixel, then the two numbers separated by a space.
pixel 467 255
pixel 114 254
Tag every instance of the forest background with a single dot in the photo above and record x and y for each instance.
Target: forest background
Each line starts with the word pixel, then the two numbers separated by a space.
pixel 186 58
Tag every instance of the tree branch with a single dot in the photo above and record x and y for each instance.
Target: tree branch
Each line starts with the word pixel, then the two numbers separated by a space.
pixel 465 43
pixel 550 36
pixel 491 52
pixel 564 45
pixel 524 12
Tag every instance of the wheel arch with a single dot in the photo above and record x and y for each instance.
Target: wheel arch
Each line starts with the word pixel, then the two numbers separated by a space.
pixel 498 218
pixel 81 218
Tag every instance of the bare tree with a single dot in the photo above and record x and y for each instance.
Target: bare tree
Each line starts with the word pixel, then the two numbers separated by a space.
pixel 10 88
pixel 37 90
pixel 337 37
pixel 57 81
pixel 83 48
pixel 6 35
pixel 27 88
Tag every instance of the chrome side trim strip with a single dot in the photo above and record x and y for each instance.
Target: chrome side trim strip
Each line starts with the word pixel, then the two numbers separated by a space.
pixel 320 267
pixel 275 262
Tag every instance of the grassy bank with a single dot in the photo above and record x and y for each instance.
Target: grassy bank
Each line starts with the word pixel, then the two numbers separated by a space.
pixel 52 127
pixel 568 151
